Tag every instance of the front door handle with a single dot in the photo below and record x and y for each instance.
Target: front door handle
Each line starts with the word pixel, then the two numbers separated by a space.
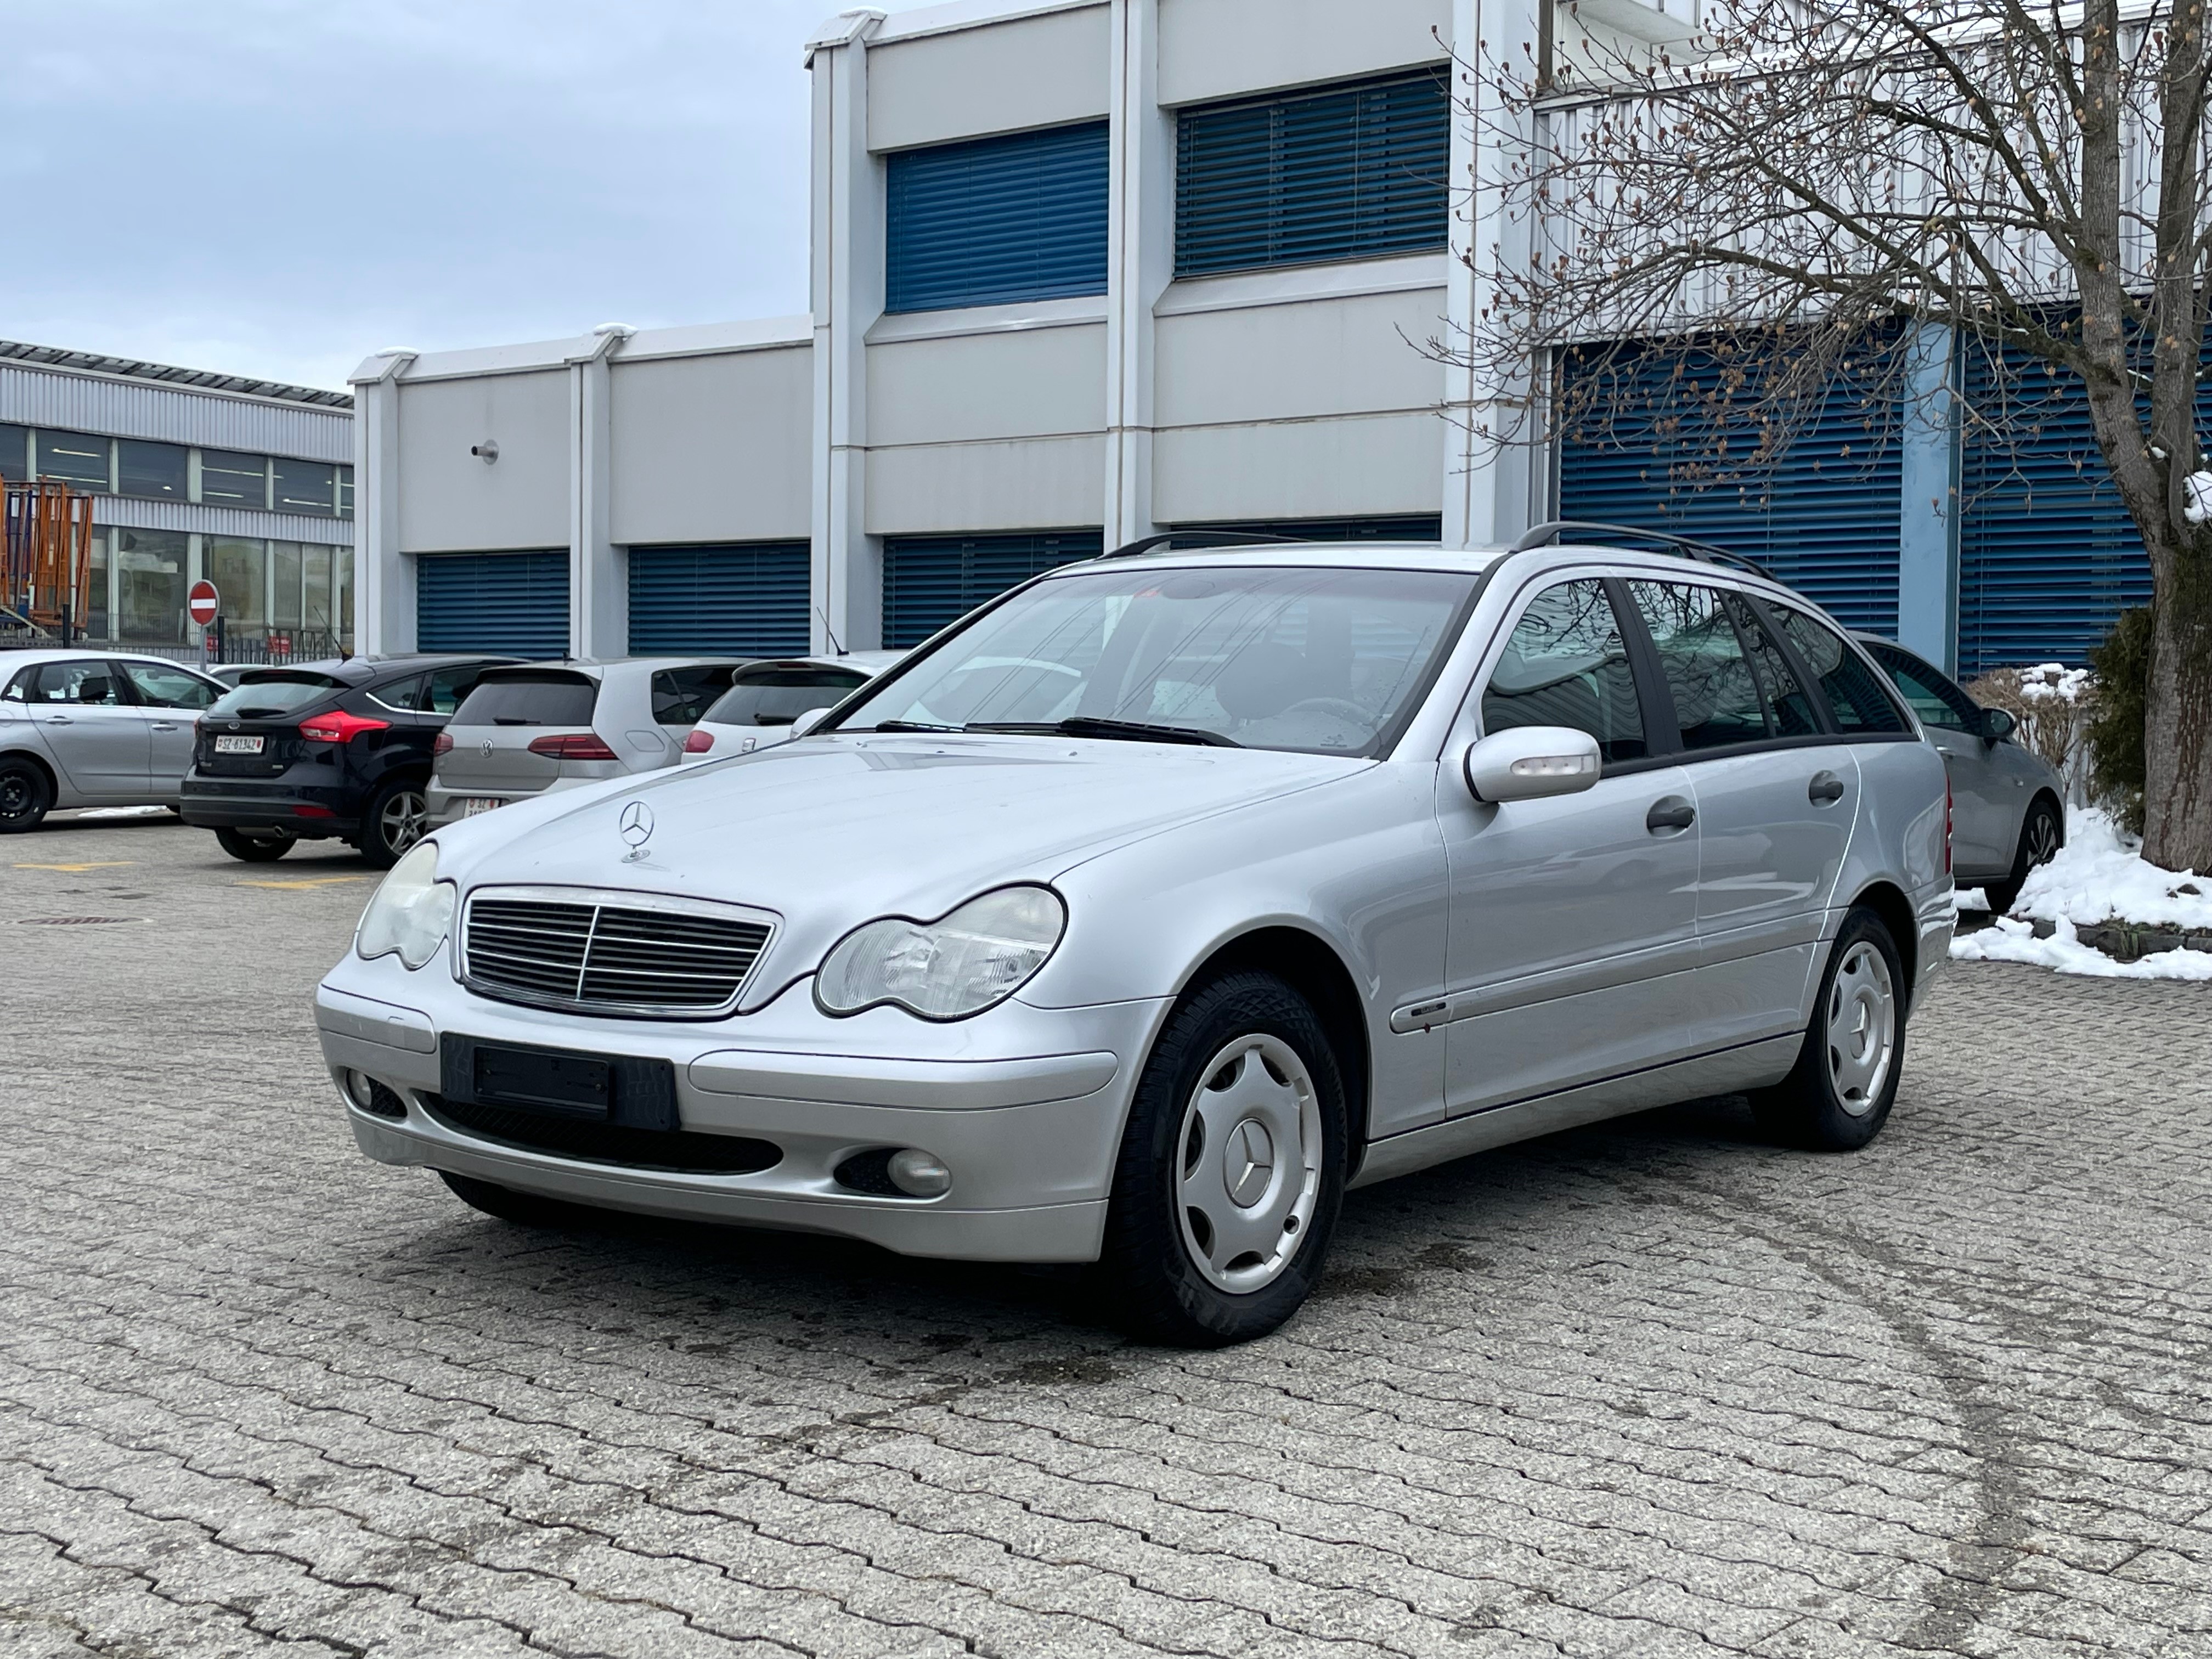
pixel 59 720
pixel 1669 813
pixel 1826 789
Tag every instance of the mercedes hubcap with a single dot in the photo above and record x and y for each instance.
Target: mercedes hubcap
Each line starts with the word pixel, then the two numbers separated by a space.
pixel 406 815
pixel 1861 1029
pixel 1249 1169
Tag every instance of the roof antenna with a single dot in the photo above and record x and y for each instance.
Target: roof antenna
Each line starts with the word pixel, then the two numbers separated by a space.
pixel 836 649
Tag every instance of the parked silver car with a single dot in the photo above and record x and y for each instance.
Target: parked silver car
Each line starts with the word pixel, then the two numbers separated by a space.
pixel 1135 917
pixel 2007 804
pixel 552 725
pixel 90 727
pixel 766 698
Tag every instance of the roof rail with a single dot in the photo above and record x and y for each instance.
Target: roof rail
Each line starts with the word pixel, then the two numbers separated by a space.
pixel 1203 539
pixel 1704 552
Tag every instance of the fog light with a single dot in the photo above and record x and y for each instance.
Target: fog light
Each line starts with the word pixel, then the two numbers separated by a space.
pixel 358 1088
pixel 919 1174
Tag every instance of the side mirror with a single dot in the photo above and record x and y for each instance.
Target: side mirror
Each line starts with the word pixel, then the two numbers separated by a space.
pixel 1532 762
pixel 1997 724
pixel 807 722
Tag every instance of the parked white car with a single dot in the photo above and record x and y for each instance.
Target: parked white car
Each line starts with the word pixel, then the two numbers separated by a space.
pixel 92 728
pixel 1135 917
pixel 766 698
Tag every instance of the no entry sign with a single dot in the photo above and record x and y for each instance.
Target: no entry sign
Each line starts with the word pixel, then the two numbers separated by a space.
pixel 200 603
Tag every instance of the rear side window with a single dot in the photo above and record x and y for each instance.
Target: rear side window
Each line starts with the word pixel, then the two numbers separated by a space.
pixel 681 696
pixel 1565 664
pixel 1855 694
pixel 546 698
pixel 446 689
pixel 1788 708
pixel 777 696
pixel 273 692
pixel 1933 698
pixel 1716 695
pixel 401 696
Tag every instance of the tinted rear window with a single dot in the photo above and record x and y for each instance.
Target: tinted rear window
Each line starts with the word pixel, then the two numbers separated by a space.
pixel 530 700
pixel 777 696
pixel 272 692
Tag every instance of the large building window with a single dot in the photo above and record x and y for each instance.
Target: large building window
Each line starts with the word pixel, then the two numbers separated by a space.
pixel 75 459
pixel 238 566
pixel 994 220
pixel 227 479
pixel 150 578
pixel 306 487
pixel 931 581
pixel 159 471
pixel 14 453
pixel 346 492
pixel 1344 173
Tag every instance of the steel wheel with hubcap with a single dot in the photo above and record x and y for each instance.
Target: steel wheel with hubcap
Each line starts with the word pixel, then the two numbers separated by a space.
pixel 398 815
pixel 1231 1168
pixel 1861 1029
pixel 1838 1095
pixel 26 797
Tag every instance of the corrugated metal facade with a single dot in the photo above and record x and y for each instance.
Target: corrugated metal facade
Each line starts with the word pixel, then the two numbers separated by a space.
pixel 997 220
pixel 739 601
pixel 931 581
pixel 1823 519
pixel 116 407
pixel 514 604
pixel 139 513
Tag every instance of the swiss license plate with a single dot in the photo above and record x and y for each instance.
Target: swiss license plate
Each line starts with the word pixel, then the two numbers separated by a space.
pixel 238 745
pixel 576 1084
pixel 475 803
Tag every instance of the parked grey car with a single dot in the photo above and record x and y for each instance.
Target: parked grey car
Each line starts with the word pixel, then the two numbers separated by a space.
pixel 1136 916
pixel 82 727
pixel 766 698
pixel 2007 804
pixel 552 725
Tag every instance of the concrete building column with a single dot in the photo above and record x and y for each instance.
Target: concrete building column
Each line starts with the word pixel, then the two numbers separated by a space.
pixel 1496 479
pixel 599 589
pixel 384 578
pixel 1927 497
pixel 1140 261
pixel 848 285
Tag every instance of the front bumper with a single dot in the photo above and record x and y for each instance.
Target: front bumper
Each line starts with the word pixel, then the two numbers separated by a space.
pixel 275 805
pixel 1024 1105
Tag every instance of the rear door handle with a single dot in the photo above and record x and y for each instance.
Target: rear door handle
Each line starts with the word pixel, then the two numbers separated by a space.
pixel 165 725
pixel 1669 812
pixel 1826 789
pixel 59 720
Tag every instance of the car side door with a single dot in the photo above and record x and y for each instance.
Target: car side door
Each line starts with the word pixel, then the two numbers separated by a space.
pixel 1777 790
pixel 1572 926
pixel 171 699
pixel 1984 814
pixel 95 733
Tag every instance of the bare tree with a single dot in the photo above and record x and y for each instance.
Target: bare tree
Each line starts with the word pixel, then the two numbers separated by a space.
pixel 1818 177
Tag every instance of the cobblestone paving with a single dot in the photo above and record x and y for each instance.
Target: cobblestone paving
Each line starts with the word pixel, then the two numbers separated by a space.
pixel 1650 1389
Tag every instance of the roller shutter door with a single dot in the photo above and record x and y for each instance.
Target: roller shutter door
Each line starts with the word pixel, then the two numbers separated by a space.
pixel 511 605
pixel 931 581
pixel 748 600
pixel 997 220
pixel 1824 519
pixel 2048 558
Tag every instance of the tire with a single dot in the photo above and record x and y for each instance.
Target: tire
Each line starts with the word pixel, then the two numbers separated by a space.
pixel 2042 833
pixel 1236 1138
pixel 522 1209
pixel 254 850
pixel 398 814
pixel 1838 1095
pixel 26 795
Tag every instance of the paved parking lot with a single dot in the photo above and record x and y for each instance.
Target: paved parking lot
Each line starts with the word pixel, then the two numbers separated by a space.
pixel 1650 1389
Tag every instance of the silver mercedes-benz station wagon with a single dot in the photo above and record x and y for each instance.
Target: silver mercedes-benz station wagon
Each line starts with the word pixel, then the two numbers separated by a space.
pixel 1141 913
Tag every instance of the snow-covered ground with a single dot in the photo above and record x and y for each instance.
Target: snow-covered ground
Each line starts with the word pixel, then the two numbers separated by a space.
pixel 2098 876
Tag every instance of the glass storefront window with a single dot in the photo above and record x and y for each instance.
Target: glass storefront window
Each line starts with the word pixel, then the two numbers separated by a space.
pixel 74 458
pixel 96 618
pixel 306 487
pixel 342 582
pixel 346 492
pixel 151 578
pixel 315 609
pixel 14 452
pixel 154 470
pixel 238 566
pixel 229 479
pixel 283 584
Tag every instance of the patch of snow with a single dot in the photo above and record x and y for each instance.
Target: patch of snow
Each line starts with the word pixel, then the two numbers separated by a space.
pixel 2196 497
pixel 2051 682
pixel 2101 875
pixel 2008 940
pixel 1968 898
pixel 123 811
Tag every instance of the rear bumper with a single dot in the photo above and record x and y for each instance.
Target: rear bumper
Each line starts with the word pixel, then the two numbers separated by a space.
pixel 272 805
pixel 445 804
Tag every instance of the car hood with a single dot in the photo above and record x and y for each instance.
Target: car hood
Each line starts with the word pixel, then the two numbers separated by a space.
pixel 832 831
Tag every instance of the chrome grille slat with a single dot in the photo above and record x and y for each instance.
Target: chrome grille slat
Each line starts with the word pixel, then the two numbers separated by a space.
pixel 607 957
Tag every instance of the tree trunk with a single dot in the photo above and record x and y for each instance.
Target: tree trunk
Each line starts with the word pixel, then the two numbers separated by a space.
pixel 2177 720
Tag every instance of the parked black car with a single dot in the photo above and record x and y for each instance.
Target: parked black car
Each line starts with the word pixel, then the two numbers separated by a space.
pixel 324 749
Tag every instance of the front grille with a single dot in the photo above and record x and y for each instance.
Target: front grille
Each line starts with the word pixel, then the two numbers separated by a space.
pixel 607 958
pixel 683 1150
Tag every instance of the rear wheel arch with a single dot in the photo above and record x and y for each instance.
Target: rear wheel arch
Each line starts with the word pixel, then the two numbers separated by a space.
pixel 1888 902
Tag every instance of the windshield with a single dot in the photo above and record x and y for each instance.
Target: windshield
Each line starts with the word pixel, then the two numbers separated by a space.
pixel 547 698
pixel 273 691
pixel 777 696
pixel 1327 661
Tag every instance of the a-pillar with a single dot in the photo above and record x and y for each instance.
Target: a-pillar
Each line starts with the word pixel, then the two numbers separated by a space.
pixel 384 578
pixel 1928 495
pixel 1140 261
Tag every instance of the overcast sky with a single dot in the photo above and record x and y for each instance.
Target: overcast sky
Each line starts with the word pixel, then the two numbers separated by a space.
pixel 280 187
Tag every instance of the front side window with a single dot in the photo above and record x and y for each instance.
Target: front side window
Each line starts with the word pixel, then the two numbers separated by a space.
pixel 1716 695
pixel 159 686
pixel 777 696
pixel 996 221
pixel 1855 694
pixel 85 681
pixel 1327 661
pixel 1933 698
pixel 1565 664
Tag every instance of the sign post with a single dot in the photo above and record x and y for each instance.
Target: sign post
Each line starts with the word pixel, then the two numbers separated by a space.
pixel 201 604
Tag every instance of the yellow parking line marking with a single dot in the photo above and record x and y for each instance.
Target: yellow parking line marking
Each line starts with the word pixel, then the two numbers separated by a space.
pixel 305 885
pixel 79 869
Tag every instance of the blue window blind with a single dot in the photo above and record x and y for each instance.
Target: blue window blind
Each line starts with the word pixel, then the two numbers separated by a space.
pixel 1661 453
pixel 2048 557
pixel 931 581
pixel 512 605
pixel 747 600
pixel 1347 173
pixel 997 220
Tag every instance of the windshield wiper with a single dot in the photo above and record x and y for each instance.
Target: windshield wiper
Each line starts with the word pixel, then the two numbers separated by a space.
pixel 904 725
pixel 1097 725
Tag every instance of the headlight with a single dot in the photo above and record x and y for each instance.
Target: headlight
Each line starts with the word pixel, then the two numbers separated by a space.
pixel 411 913
pixel 979 955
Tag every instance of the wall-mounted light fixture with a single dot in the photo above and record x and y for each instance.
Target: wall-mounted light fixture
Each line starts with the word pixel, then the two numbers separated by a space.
pixel 487 452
